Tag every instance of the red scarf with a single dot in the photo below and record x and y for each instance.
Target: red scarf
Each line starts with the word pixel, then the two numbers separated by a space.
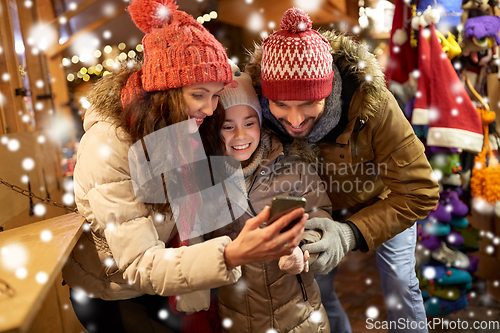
pixel 203 321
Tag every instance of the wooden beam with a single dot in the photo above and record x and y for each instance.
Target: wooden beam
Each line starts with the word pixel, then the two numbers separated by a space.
pixel 56 49
pixel 71 13
pixel 18 312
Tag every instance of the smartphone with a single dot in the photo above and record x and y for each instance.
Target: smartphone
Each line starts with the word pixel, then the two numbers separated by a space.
pixel 284 205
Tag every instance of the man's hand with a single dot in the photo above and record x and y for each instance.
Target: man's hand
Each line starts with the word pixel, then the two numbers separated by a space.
pixel 337 240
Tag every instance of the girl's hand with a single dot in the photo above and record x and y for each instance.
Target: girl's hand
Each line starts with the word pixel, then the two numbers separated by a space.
pixel 255 244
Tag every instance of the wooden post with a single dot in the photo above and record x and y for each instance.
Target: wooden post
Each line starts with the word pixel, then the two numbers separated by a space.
pixel 10 77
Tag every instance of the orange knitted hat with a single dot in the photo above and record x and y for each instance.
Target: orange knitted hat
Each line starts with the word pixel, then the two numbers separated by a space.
pixel 178 51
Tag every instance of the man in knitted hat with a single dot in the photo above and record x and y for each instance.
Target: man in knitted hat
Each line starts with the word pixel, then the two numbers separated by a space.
pixel 330 90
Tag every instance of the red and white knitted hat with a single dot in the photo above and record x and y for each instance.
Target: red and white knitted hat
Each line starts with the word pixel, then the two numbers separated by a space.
pixel 420 115
pixel 296 62
pixel 453 119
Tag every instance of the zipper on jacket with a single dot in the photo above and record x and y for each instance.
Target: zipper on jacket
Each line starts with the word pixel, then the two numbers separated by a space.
pixel 302 287
pixel 360 124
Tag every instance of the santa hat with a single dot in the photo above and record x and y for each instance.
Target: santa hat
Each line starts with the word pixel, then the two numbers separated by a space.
pixel 402 58
pixel 240 92
pixel 420 115
pixel 453 120
pixel 296 62
pixel 178 50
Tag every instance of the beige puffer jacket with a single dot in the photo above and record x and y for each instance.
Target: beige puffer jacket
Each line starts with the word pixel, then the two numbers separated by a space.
pixel 266 297
pixel 125 251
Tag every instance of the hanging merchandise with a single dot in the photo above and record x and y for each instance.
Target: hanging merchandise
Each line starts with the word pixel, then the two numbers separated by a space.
pixel 485 180
pixel 481 35
pixel 453 119
pixel 420 115
pixel 450 11
pixel 402 58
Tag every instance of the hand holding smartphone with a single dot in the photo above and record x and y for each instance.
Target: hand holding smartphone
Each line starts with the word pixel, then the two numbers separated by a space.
pixel 284 205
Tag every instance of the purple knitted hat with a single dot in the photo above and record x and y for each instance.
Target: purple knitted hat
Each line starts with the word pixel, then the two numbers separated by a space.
pixel 483 26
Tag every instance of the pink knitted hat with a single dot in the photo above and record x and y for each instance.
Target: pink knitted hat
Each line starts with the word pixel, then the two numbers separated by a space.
pixel 296 62
pixel 178 51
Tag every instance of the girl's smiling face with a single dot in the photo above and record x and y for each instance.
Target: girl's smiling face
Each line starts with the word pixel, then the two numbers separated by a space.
pixel 241 132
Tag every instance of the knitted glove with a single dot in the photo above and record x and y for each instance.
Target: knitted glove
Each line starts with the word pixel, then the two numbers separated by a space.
pixel 296 262
pixel 338 239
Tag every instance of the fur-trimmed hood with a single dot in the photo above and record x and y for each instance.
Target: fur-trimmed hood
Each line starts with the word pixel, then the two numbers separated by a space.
pixel 353 57
pixel 105 93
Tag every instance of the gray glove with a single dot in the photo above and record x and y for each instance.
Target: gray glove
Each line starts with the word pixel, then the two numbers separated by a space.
pixel 337 240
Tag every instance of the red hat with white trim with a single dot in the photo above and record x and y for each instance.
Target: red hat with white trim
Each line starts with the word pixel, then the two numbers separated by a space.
pixel 453 120
pixel 420 115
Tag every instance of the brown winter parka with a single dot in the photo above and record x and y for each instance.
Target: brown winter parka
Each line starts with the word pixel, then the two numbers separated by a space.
pixel 266 297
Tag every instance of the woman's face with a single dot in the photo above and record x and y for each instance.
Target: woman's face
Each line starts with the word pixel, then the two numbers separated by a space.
pixel 241 132
pixel 201 99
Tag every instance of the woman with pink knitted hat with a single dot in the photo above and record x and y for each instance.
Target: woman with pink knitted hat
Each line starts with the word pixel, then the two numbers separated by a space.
pixel 134 185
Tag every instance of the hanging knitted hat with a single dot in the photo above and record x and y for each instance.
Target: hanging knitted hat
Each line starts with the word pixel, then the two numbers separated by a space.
pixel 420 115
pixel 178 50
pixel 240 92
pixel 402 56
pixel 453 119
pixel 296 62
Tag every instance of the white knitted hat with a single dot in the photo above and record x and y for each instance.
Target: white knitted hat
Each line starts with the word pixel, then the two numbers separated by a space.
pixel 240 92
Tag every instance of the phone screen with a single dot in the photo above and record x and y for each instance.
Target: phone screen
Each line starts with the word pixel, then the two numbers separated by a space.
pixel 284 205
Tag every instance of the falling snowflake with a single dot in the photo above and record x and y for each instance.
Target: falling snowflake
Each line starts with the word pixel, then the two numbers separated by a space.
pixel 452 239
pixel 13 145
pixel 5 76
pixel 163 314
pixel 13 256
pixel 68 199
pixel 28 164
pixel 86 226
pixel 39 209
pixel 41 277
pixel 159 217
pixel 496 241
pixel 436 175
pixel 105 151
pixel 108 262
pixel 308 5
pixel 227 323
pixel 372 312
pixel 361 64
pixel 433 114
pixel 495 283
pixel 21 273
pixel 255 22
pixel 271 330
pixel 448 208
pixel 459 99
pixel 396 49
pixel 46 235
pixel 368 78
pixel 429 273
pixel 490 249
pixel 454 112
pixel 316 317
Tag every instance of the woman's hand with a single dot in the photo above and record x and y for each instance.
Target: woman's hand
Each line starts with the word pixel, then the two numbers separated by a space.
pixel 255 244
